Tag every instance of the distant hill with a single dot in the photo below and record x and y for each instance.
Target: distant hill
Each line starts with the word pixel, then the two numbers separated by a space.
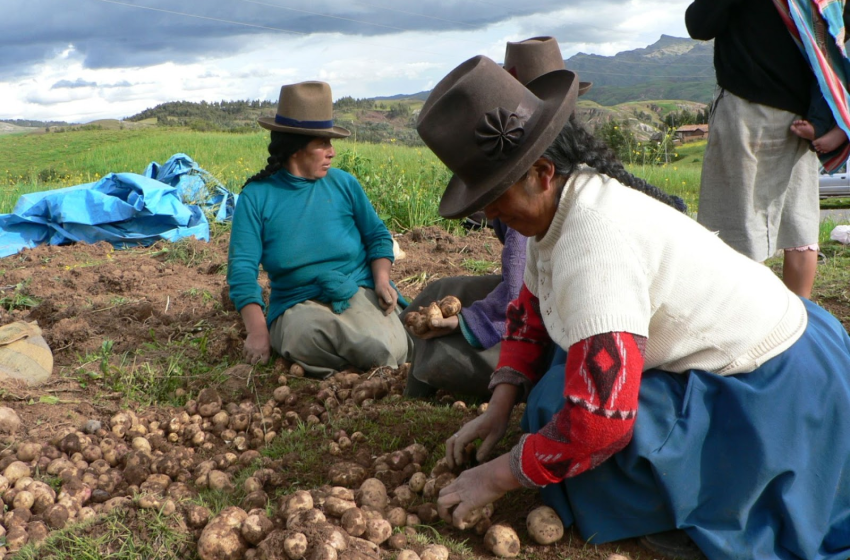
pixel 421 96
pixel 670 68
pixel 26 123
pixel 7 128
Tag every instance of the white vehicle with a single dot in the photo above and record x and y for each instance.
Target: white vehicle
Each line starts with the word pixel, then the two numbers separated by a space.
pixel 837 184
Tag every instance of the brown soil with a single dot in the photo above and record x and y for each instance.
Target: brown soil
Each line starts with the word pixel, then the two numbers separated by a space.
pixel 93 295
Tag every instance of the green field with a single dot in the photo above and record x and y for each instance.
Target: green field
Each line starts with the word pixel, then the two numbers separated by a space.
pixel 404 183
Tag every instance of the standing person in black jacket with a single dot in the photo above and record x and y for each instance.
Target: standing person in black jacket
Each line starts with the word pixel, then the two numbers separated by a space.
pixel 759 180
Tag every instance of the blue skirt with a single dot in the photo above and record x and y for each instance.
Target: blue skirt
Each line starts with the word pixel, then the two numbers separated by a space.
pixel 751 466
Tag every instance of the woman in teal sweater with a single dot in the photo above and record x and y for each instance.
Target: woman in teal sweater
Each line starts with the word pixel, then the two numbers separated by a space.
pixel 326 252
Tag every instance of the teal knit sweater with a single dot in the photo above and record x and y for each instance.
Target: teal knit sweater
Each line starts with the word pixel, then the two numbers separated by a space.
pixel 316 239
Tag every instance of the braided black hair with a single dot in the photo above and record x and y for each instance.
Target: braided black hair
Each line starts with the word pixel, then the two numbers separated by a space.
pixel 574 145
pixel 281 147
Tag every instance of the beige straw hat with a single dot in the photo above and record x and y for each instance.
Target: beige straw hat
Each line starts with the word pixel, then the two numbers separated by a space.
pixel 306 108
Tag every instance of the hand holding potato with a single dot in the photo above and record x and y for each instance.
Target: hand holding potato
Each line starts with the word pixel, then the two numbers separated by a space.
pixel 440 327
pixel 489 427
pixel 438 319
pixel 475 488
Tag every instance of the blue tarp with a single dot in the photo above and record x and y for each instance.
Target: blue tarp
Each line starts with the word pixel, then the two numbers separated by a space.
pixel 169 201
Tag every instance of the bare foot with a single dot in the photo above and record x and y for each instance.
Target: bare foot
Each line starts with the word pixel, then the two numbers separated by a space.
pixel 829 141
pixel 803 129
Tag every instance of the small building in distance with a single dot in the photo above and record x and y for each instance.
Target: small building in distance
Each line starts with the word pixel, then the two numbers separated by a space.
pixel 691 132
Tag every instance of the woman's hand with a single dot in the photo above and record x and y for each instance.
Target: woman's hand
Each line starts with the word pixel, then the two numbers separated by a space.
pixel 387 296
pixel 476 488
pixel 489 427
pixel 439 327
pixel 257 348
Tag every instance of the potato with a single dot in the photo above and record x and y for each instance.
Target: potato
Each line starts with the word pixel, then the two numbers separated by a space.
pixel 221 539
pixel 298 501
pixel 372 493
pixel 449 306
pixel 303 520
pixel 403 495
pixel 397 542
pixel 417 322
pixel 435 552
pixel 16 470
pixel 397 517
pixel 378 530
pixel 354 522
pixel 323 551
pixel 407 554
pixel 544 525
pixel 29 452
pixel 56 516
pixel 471 519
pixel 337 506
pixel 417 482
pixel 502 541
pixel 295 546
pixel 433 313
pixel 23 500
pixel 256 527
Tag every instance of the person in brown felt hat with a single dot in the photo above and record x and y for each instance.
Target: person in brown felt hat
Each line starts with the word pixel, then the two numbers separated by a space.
pixel 459 353
pixel 326 252
pixel 662 412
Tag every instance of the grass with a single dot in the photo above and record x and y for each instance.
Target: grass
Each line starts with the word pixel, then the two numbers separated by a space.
pixel 120 535
pixel 404 183
pixel 477 266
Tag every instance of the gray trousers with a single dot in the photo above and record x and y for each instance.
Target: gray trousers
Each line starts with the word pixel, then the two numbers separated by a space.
pixel 322 342
pixel 759 186
pixel 450 362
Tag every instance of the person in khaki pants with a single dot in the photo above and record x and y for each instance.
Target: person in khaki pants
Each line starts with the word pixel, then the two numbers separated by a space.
pixel 327 254
pixel 759 186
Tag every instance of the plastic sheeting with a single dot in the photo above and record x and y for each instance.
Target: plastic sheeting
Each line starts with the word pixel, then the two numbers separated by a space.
pixel 169 201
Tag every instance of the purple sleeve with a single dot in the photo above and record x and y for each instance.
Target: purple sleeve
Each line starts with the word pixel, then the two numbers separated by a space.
pixel 486 317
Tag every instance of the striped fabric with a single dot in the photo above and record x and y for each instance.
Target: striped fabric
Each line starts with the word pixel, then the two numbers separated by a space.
pixel 818 28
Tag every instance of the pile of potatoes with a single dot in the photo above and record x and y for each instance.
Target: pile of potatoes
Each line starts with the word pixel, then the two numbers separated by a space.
pixel 151 461
pixel 420 321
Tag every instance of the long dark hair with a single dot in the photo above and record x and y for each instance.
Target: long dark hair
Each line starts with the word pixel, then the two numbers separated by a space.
pixel 281 147
pixel 574 146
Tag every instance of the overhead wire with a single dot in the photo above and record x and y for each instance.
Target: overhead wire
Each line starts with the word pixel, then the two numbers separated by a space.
pixel 244 24
pixel 299 10
pixel 414 14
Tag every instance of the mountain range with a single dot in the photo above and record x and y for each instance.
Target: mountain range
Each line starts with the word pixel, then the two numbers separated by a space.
pixel 671 68
pixel 643 85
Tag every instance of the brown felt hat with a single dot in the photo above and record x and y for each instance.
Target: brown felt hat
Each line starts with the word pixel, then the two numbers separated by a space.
pixel 530 59
pixel 306 108
pixel 489 129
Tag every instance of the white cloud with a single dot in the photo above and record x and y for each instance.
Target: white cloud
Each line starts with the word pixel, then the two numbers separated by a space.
pixel 65 85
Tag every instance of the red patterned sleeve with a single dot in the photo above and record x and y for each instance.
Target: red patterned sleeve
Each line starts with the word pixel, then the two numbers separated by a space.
pixel 602 380
pixel 524 355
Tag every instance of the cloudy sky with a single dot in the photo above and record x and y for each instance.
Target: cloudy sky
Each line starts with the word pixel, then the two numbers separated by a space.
pixel 81 60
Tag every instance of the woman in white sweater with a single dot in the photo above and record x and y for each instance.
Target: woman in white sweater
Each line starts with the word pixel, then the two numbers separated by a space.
pixel 699 401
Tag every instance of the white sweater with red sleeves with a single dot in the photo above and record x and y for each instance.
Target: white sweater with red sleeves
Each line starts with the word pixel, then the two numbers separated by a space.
pixel 616 260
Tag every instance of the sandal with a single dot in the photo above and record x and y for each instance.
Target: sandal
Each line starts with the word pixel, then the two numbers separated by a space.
pixel 676 545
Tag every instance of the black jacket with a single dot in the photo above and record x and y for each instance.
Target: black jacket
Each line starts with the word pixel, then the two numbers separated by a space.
pixel 754 55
